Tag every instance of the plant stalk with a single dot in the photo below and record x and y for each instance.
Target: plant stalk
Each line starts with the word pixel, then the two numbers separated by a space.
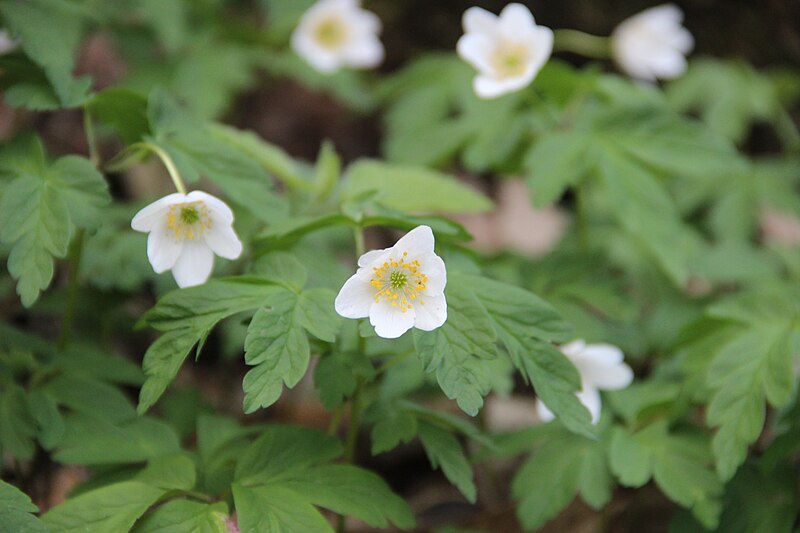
pixel 582 43
pixel 170 166
pixel 74 258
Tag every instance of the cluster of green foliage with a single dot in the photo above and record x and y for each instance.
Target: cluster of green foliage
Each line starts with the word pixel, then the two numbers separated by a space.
pixel 666 259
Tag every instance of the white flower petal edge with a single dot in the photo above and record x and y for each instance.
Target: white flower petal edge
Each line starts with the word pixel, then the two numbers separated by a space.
pixel 508 50
pixel 338 33
pixel 399 287
pixel 601 367
pixel 652 44
pixel 185 231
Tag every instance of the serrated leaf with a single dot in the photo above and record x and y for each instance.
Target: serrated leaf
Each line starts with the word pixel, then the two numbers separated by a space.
pixel 17 429
pixel 277 343
pixel 174 471
pixel 555 163
pixel 187 316
pixel 185 516
pixel 273 509
pixel 555 473
pixel 457 352
pixel 335 376
pixel 282 267
pixel 445 452
pixel 401 187
pixel 123 110
pixel 109 509
pixel 15 511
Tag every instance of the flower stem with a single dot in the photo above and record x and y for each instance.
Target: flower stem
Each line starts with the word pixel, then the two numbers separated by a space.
pixel 91 140
pixel 358 234
pixel 582 43
pixel 74 258
pixel 170 166
pixel 351 440
pixel 581 218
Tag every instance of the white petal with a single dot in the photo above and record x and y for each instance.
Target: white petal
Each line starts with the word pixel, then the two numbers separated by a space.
pixel 476 49
pixel 572 349
pixel 478 20
pixel 417 242
pixel 372 257
pixel 433 267
pixel 366 22
pixel 356 296
pixel 486 87
pixel 223 240
pixel 390 322
pixel 319 58
pixel 545 414
pixel 217 208
pixel 364 53
pixel 163 249
pixel 516 19
pixel 432 314
pixel 668 65
pixel 590 398
pixel 155 214
pixel 194 265
pixel 542 48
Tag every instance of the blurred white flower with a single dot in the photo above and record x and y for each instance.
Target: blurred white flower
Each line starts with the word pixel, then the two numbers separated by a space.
pixel 338 33
pixel 7 44
pixel 507 50
pixel 652 44
pixel 601 367
pixel 185 231
pixel 399 287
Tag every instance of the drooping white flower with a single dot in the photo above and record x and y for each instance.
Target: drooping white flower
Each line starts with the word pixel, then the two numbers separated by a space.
pixel 601 367
pixel 399 287
pixel 338 33
pixel 652 44
pixel 507 50
pixel 185 231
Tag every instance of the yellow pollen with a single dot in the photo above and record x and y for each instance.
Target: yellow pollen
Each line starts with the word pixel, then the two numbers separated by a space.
pixel 331 32
pixel 398 282
pixel 188 220
pixel 510 60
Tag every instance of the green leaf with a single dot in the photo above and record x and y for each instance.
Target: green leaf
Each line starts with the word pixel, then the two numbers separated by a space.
pixel 555 473
pixel 335 376
pixel 17 429
pixel 554 164
pixel 15 511
pixel 678 462
pixel 274 509
pixel 458 351
pixel 110 509
pixel 170 472
pixel 283 467
pixel 391 427
pixel 52 46
pixel 93 441
pixel 185 516
pixel 284 268
pixel 277 344
pixel 123 110
pixel 352 491
pixel 445 452
pixel 187 316
pixel 39 209
pixel 413 188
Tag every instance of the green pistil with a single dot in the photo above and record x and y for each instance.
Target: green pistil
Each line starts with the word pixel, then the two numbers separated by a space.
pixel 189 215
pixel 398 280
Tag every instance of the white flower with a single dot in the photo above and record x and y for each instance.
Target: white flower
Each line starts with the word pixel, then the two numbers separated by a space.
pixel 652 44
pixel 399 287
pixel 338 33
pixel 600 367
pixel 7 44
pixel 507 50
pixel 185 231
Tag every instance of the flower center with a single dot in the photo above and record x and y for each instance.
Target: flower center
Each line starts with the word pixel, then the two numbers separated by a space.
pixel 399 282
pixel 188 220
pixel 330 33
pixel 510 60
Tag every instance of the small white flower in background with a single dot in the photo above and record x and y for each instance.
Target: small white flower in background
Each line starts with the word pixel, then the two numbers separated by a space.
pixel 7 44
pixel 399 287
pixel 337 33
pixel 652 44
pixel 507 50
pixel 185 231
pixel 601 367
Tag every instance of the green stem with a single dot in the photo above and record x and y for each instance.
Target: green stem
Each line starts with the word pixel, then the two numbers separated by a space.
pixel 333 427
pixel 358 234
pixel 91 140
pixel 351 440
pixel 170 166
pixel 582 43
pixel 74 258
pixel 392 361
